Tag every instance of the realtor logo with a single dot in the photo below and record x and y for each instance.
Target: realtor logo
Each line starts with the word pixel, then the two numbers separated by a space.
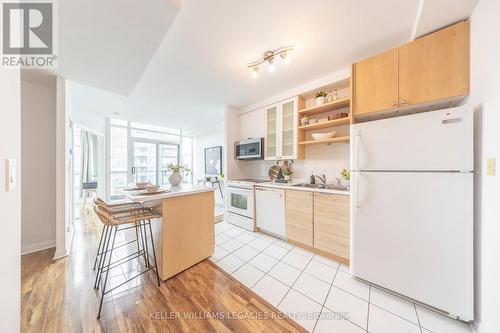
pixel 28 34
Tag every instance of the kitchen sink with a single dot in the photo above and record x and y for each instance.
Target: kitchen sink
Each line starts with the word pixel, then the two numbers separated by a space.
pixel 324 186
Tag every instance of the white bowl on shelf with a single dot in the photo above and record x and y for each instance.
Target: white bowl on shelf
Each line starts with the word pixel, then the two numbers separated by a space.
pixel 323 136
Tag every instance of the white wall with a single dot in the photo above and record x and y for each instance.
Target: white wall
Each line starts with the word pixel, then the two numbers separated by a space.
pixel 320 159
pixel 485 95
pixel 201 142
pixel 38 144
pixel 232 167
pixel 10 202
pixel 89 107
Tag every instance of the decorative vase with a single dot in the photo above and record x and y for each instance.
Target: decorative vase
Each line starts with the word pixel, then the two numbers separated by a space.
pixel 320 100
pixel 175 178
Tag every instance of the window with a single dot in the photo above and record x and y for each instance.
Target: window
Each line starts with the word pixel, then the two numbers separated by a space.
pixel 118 159
pixel 141 152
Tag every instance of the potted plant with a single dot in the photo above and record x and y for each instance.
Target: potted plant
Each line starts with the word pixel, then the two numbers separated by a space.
pixel 320 97
pixel 346 175
pixel 178 171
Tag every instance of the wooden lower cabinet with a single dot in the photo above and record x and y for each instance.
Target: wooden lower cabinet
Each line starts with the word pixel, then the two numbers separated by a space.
pixel 299 217
pixel 331 224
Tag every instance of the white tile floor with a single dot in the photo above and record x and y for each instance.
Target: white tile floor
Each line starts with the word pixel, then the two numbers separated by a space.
pixel 317 292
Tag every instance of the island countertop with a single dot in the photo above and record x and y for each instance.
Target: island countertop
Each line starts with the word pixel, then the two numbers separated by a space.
pixel 184 235
pixel 173 191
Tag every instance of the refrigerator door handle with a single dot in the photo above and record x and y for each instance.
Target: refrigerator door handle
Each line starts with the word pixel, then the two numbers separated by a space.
pixel 357 141
pixel 356 192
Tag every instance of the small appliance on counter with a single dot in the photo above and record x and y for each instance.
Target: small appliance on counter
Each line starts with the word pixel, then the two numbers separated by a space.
pixel 249 149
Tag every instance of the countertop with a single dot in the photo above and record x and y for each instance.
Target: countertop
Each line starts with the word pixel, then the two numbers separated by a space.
pixel 289 186
pixel 174 191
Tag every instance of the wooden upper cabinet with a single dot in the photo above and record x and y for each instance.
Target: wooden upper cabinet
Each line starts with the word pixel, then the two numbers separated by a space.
pixel 331 224
pixel 435 67
pixel 299 217
pixel 376 83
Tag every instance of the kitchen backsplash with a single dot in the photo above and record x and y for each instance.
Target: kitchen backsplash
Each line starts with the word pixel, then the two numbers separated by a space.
pixel 320 159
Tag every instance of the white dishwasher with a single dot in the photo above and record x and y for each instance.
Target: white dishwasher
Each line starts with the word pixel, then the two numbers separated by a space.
pixel 270 210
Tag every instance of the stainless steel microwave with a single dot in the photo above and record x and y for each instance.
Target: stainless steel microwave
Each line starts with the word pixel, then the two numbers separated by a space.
pixel 249 149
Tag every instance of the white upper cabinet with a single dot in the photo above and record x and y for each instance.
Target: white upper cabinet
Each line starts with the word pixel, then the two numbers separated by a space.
pixel 252 125
pixel 281 141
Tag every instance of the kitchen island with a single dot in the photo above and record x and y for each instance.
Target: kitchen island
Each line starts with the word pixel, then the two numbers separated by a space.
pixel 185 234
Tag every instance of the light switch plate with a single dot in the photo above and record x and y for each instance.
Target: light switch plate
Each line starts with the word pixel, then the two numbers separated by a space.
pixel 490 166
pixel 10 174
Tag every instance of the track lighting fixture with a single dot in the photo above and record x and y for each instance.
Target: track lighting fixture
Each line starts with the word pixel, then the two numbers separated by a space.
pixel 269 58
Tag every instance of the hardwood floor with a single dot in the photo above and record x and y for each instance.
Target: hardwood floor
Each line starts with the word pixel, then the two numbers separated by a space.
pixel 58 296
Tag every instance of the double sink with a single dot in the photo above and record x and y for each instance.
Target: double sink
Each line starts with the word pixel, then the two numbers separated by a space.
pixel 324 186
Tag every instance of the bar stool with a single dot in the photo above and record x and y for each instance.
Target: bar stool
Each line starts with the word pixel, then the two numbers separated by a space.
pixel 117 221
pixel 104 233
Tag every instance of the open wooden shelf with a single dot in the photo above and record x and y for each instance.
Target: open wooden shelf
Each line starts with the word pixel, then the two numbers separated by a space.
pixel 330 106
pixel 331 140
pixel 324 124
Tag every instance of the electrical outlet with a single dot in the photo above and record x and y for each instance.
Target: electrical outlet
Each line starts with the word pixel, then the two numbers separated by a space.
pixel 490 166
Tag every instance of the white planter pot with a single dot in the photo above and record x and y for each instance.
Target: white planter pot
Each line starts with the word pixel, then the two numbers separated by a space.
pixel 320 100
pixel 175 179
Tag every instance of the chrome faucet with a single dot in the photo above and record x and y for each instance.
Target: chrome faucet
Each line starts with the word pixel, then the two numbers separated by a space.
pixel 322 178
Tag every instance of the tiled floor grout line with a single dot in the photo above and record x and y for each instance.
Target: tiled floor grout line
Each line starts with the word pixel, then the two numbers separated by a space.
pixel 326 298
pixel 233 237
pixel 265 273
pixel 302 271
pixel 369 303
pixel 291 287
pixel 418 318
pixel 260 251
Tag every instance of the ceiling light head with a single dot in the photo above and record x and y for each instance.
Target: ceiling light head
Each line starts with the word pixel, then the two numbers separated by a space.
pixel 268 57
pixel 271 67
pixel 255 72
pixel 285 56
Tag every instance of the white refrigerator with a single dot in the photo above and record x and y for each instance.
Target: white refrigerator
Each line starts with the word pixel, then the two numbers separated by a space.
pixel 412 207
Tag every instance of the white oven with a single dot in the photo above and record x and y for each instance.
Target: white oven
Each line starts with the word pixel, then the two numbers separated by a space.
pixel 239 203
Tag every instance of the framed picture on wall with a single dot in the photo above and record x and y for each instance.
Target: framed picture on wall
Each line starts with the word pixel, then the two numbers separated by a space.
pixel 213 160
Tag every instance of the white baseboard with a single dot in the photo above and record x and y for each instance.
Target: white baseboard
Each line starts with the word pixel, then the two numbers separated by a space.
pixel 37 247
pixel 60 254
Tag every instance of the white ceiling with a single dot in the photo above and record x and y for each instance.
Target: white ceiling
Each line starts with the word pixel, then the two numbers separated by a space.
pixel 199 66
pixel 108 44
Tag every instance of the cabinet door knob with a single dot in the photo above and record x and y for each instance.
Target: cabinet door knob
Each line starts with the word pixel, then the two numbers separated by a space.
pixel 404 101
pixel 393 104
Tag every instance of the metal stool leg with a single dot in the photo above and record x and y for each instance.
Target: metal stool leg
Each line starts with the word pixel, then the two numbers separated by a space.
pixel 154 252
pixel 103 291
pixel 146 248
pixel 102 258
pixel 144 244
pixel 136 227
pixel 99 250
